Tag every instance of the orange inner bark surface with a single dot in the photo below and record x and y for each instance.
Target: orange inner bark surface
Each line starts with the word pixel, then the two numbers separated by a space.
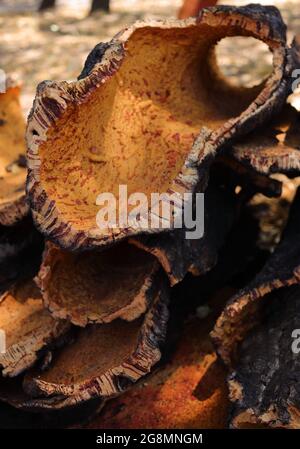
pixel 97 349
pixel 106 282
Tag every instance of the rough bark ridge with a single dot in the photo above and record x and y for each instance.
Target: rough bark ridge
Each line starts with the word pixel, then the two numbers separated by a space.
pixel 29 328
pixel 282 269
pixel 265 385
pixel 61 208
pixel 188 391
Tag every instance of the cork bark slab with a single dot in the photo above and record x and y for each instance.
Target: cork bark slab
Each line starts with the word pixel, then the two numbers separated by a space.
pixel 28 327
pixel 13 205
pixel 143 115
pixel 39 415
pixel 282 269
pixel 187 391
pixel 103 361
pixel 98 287
pixel 265 384
pixel 275 147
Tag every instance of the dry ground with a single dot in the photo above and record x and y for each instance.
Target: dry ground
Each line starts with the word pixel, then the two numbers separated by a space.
pixel 54 45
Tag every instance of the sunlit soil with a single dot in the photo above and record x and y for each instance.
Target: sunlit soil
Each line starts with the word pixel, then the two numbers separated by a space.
pixel 54 45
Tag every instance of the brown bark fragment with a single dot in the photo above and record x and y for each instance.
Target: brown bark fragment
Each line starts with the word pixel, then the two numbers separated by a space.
pixel 28 327
pixel 265 384
pixel 187 392
pixel 15 412
pixel 103 360
pixel 98 287
pixel 273 148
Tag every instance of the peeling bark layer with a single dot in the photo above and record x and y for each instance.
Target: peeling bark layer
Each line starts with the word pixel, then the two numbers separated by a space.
pixel 177 118
pixel 265 384
pixel 282 269
pixel 275 147
pixel 13 205
pixel 98 287
pixel 103 361
pixel 28 327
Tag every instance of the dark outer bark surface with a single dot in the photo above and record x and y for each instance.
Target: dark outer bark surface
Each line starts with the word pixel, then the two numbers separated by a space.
pixel 265 385
pixel 273 148
pixel 282 269
pixel 179 255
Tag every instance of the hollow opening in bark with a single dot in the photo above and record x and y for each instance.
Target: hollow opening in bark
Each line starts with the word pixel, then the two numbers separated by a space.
pixel 253 65
pixel 138 127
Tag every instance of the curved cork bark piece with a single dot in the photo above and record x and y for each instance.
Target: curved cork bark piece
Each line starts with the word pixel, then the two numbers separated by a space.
pixel 98 287
pixel 104 360
pixel 265 384
pixel 13 205
pixel 187 392
pixel 282 269
pixel 178 254
pixel 28 327
pixel 176 117
pixel 273 148
pixel 41 414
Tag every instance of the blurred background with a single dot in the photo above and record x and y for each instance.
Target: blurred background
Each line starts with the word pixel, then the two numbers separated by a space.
pixel 53 43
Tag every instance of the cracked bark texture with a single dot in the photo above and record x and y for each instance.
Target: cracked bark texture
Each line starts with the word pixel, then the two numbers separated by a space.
pixel 28 327
pixel 265 385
